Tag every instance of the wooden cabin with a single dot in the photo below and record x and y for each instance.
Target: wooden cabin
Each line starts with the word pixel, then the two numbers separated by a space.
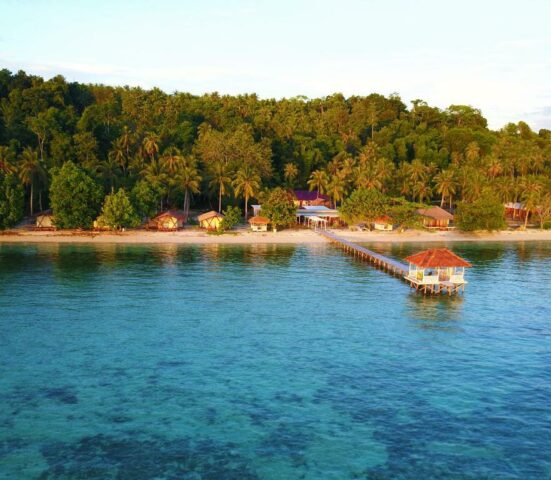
pixel 45 221
pixel 435 217
pixel 437 270
pixel 384 223
pixel 259 224
pixel 306 198
pixel 211 220
pixel 168 221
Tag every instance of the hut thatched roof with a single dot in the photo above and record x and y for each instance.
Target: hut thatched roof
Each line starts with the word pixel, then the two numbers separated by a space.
pixel 435 212
pixel 211 214
pixel 179 214
pixel 437 257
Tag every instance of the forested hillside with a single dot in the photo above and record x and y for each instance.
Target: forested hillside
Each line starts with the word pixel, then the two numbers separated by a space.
pixel 183 149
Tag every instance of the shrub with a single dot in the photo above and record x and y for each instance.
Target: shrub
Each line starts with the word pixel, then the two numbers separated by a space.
pixel 486 213
pixel 75 197
pixel 232 217
pixel 279 207
pixel 11 201
pixel 118 212
pixel 364 205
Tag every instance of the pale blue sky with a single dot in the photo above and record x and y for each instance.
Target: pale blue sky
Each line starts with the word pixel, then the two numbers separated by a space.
pixel 494 55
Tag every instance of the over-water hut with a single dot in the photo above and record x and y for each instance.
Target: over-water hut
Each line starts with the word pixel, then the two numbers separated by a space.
pixel 210 220
pixel 45 221
pixel 169 221
pixel 435 217
pixel 259 224
pixel 436 270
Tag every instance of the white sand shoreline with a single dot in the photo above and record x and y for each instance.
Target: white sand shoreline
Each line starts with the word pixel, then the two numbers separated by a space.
pixel 243 236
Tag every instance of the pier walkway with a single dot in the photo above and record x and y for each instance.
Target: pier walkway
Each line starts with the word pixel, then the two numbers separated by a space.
pixel 392 266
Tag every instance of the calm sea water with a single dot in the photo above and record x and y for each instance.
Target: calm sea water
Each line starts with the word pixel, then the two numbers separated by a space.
pixel 271 362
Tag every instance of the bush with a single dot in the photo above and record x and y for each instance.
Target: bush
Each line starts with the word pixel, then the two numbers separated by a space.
pixel 12 197
pixel 118 212
pixel 279 207
pixel 364 205
pixel 486 213
pixel 232 217
pixel 145 199
pixel 75 197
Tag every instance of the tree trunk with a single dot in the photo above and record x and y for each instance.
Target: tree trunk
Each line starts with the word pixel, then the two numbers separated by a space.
pixel 442 201
pixel 220 199
pixel 246 207
pixel 40 200
pixel 31 199
pixel 526 219
pixel 186 202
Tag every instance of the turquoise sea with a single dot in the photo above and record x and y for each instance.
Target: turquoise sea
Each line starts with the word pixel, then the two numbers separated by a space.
pixel 271 362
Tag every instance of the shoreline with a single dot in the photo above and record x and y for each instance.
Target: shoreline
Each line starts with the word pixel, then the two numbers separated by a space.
pixel 244 236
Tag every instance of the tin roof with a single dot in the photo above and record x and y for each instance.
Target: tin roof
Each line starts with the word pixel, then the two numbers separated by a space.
pixel 259 220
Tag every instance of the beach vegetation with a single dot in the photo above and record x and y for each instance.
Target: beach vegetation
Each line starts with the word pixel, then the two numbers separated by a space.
pixel 75 197
pixel 11 200
pixel 278 206
pixel 485 213
pixel 118 212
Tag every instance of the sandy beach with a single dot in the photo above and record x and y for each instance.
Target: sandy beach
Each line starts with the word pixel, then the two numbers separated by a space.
pixel 243 236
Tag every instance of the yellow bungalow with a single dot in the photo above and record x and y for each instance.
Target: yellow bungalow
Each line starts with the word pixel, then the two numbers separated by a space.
pixel 259 224
pixel 169 221
pixel 211 220
pixel 45 221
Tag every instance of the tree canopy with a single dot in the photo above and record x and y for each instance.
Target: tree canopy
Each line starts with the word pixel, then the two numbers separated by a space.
pixel 213 150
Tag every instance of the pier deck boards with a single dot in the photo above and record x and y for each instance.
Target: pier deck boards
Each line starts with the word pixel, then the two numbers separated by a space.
pixel 389 264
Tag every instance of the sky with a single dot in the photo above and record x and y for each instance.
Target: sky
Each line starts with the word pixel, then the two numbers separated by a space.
pixel 492 55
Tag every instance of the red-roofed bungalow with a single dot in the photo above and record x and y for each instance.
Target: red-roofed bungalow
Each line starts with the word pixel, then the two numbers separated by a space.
pixel 436 270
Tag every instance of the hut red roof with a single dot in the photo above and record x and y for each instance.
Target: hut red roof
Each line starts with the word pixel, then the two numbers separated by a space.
pixel 259 220
pixel 384 219
pixel 437 257
pixel 435 212
pixel 309 196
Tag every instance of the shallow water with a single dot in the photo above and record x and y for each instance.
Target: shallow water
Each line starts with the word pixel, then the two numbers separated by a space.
pixel 271 362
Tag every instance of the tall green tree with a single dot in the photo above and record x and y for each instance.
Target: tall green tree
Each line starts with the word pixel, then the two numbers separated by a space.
pixel 75 197
pixel 246 184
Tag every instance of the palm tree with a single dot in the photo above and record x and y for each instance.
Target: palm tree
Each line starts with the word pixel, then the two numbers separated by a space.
pixel 290 173
pixel 367 176
pixel 335 188
pixel 119 154
pixel 445 185
pixel 150 145
pixel 155 174
pixel 246 183
pixel 189 179
pixel 220 179
pixel 171 159
pixel 31 172
pixel 385 168
pixel 109 170
pixel 318 181
pixel 421 190
pixel 472 153
pixel 531 196
pixel 6 160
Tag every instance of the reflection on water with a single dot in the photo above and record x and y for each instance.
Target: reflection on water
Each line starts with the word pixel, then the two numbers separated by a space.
pixel 272 362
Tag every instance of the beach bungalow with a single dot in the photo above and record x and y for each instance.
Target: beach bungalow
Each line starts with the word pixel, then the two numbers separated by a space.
pixel 259 224
pixel 45 221
pixel 436 270
pixel 169 221
pixel 383 223
pixel 210 220
pixel 435 217
pixel 307 198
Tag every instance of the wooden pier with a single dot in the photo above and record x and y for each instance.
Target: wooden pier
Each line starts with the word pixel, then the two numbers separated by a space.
pixel 443 281
pixel 384 263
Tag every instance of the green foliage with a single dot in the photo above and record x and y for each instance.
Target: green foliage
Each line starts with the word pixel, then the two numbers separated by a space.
pixel 279 207
pixel 403 214
pixel 11 201
pixel 232 217
pixel 145 199
pixel 75 197
pixel 486 213
pixel 364 205
pixel 118 212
